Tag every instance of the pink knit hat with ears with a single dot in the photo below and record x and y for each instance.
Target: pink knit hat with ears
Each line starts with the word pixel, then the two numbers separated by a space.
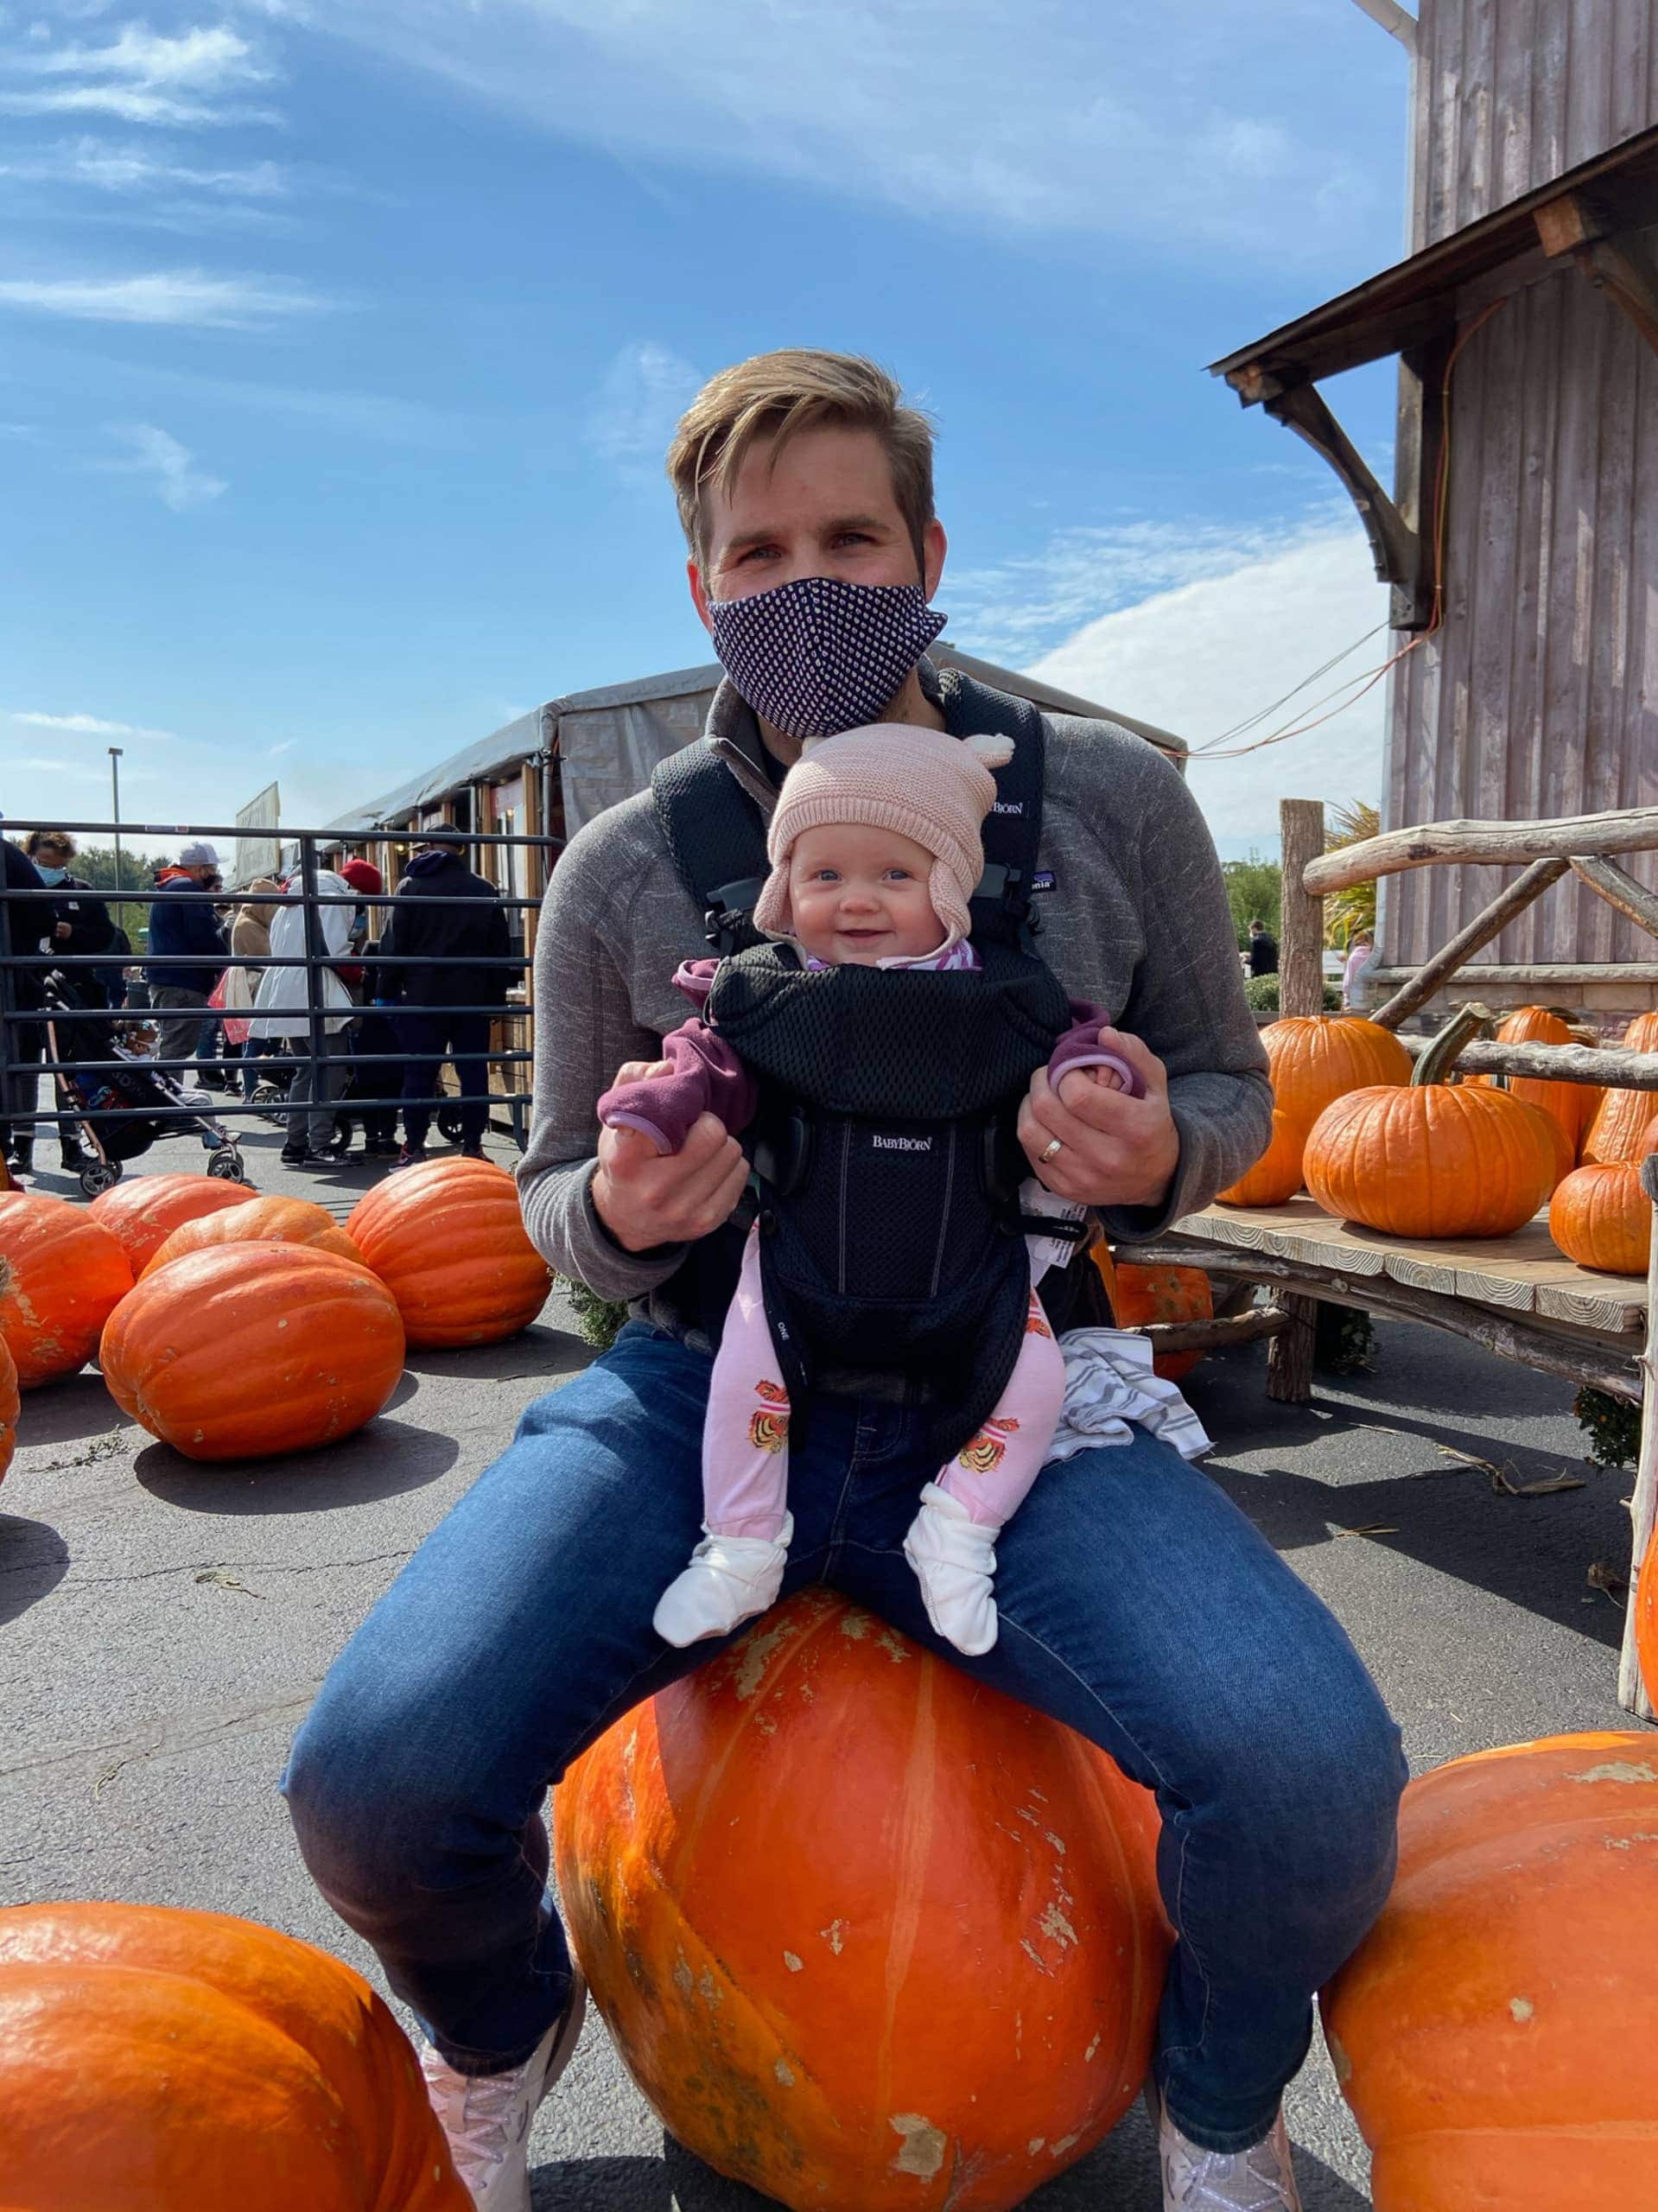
pixel 922 783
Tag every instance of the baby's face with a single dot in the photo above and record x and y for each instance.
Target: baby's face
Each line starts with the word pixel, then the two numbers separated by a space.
pixel 859 894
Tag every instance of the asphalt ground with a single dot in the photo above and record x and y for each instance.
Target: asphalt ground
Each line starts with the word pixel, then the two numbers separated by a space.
pixel 163 1627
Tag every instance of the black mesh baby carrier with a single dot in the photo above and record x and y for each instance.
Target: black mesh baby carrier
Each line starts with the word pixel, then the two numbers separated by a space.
pixel 886 1164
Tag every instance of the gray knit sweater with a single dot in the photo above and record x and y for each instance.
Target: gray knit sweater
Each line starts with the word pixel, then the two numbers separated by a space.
pixel 1136 921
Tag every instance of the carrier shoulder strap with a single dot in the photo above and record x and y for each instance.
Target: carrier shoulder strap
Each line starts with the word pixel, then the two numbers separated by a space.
pixel 716 834
pixel 717 837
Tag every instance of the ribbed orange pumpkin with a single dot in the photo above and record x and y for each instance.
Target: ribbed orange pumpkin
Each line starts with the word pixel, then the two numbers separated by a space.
pixel 1560 1144
pixel 1142 1295
pixel 1572 1105
pixel 1276 1175
pixel 448 1241
pixel 1616 1132
pixel 1313 1060
pixel 260 1221
pixel 1646 1618
pixel 252 1350
pixel 1601 1218
pixel 152 2059
pixel 1493 2032
pixel 66 1275
pixel 142 1214
pixel 867 1934
pixel 1435 1159
pixel 1317 1058
pixel 9 1406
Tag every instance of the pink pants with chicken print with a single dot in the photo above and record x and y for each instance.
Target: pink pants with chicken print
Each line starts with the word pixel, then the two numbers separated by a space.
pixel 745 1434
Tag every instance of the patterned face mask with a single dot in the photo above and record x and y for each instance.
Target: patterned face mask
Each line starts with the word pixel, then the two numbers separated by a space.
pixel 819 656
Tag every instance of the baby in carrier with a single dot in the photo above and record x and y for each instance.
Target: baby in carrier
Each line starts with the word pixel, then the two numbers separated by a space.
pixel 876 851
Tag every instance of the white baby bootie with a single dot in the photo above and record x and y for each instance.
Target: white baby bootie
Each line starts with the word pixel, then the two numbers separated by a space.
pixel 730 1578
pixel 954 1557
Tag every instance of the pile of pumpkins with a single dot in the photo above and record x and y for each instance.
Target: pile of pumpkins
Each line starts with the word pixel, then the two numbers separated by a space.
pixel 236 1327
pixel 1414 1152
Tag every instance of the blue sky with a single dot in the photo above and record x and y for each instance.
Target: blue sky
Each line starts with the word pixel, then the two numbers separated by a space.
pixel 339 346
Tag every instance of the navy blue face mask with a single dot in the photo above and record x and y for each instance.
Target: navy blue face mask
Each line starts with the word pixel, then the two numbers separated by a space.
pixel 819 656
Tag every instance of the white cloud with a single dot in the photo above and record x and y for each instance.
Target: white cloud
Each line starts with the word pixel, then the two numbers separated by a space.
pixel 1188 129
pixel 129 170
pixel 645 392
pixel 184 297
pixel 84 725
pixel 168 468
pixel 1199 657
pixel 142 77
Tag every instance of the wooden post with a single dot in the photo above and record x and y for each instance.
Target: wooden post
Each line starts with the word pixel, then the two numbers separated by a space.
pixel 1300 991
pixel 1643 1506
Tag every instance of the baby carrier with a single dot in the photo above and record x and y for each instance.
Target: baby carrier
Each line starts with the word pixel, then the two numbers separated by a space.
pixel 886 1166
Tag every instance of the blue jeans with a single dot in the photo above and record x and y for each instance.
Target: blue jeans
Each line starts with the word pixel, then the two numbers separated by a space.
pixel 1138 1605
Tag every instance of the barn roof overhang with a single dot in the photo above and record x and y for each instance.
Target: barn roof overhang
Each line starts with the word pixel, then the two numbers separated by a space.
pixel 1593 216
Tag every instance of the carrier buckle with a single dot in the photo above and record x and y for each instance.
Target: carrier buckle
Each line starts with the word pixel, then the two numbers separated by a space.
pixel 1003 888
pixel 729 911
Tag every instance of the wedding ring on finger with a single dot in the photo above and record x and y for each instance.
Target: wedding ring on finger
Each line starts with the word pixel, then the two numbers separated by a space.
pixel 1050 1152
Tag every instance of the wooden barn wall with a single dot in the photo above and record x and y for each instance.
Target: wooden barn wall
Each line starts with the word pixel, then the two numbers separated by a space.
pixel 1539 695
pixel 1511 92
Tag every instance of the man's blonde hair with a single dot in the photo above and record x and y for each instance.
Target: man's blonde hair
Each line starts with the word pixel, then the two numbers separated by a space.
pixel 773 396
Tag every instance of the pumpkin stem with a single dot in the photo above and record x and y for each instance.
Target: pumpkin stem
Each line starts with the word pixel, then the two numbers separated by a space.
pixel 1437 1062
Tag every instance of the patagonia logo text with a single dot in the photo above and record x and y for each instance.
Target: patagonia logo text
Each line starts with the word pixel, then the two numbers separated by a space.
pixel 901 1144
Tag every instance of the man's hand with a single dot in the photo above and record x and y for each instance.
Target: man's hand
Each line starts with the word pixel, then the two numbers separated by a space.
pixel 1113 1150
pixel 62 930
pixel 645 1197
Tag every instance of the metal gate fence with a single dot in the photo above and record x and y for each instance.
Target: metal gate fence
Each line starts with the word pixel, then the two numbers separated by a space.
pixel 46 994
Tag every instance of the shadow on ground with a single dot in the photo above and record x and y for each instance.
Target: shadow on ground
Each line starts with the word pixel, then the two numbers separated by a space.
pixel 34 1559
pixel 536 1352
pixel 382 1460
pixel 1121 2173
pixel 70 1411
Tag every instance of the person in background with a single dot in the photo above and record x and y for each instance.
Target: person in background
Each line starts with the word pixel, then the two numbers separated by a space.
pixel 373 1076
pixel 432 1021
pixel 1361 958
pixel 29 929
pixel 1263 949
pixel 80 925
pixel 249 940
pixel 181 923
pixel 283 1010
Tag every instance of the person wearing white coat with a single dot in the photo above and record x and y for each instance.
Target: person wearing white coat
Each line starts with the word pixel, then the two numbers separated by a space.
pixel 283 1011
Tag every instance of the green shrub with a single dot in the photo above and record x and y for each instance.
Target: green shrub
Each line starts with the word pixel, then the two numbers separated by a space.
pixel 1612 1426
pixel 1262 991
pixel 599 1319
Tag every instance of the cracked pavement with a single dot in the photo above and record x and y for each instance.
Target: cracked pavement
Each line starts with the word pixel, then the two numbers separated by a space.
pixel 149 1700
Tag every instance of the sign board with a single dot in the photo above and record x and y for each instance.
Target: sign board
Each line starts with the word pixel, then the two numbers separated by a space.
pixel 257 855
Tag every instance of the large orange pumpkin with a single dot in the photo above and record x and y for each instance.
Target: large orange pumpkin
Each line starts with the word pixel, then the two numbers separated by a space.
pixel 866 1933
pixel 1572 1105
pixel 251 1349
pixel 1646 1618
pixel 65 1276
pixel 448 1241
pixel 9 1406
pixel 1312 1058
pixel 1141 1294
pixel 152 2059
pixel 143 1213
pixel 1617 1131
pixel 1436 1157
pixel 1601 1218
pixel 1493 2032
pixel 259 1221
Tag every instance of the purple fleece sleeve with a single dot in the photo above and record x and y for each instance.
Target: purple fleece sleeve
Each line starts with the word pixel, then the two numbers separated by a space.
pixel 1080 1047
pixel 706 1078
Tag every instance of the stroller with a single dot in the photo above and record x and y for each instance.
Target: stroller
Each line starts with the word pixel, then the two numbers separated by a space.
pixel 138 1093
